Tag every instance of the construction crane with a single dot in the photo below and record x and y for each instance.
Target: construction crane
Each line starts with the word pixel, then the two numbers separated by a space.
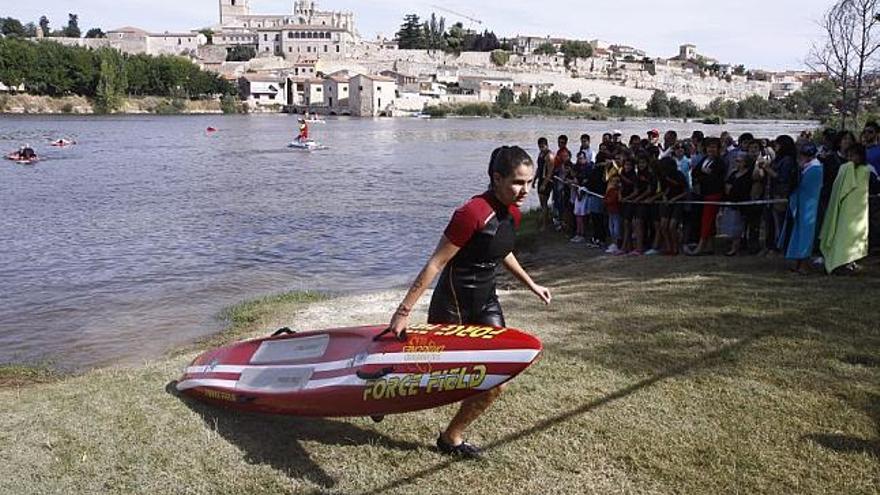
pixel 459 14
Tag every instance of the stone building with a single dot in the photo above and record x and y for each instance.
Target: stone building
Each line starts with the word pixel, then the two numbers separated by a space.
pixel 307 32
pixel 371 95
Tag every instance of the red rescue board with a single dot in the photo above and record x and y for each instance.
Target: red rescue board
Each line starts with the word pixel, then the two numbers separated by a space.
pixel 351 372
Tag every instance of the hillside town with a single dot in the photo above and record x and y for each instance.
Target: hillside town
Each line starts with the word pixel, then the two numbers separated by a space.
pixel 315 60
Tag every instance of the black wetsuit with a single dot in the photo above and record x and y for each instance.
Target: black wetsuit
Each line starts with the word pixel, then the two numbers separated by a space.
pixel 484 229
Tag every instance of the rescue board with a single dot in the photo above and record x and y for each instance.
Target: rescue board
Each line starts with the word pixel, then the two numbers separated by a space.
pixel 359 371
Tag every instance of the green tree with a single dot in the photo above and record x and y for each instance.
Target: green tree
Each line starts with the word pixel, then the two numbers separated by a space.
pixel 576 49
pixel 576 97
pixel 112 83
pixel 523 99
pixel 546 49
pixel 455 38
pixel 72 30
pixel 12 27
pixel 739 70
pixel 658 105
pixel 616 102
pixel 500 58
pixel 241 53
pixel 435 31
pixel 820 98
pixel 95 33
pixel 411 36
pixel 505 98
pixel 44 26
pixel 554 101
pixel 209 35
pixel 30 30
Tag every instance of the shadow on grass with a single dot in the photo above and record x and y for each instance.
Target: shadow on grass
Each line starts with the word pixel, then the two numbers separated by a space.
pixel 849 444
pixel 708 359
pixel 276 440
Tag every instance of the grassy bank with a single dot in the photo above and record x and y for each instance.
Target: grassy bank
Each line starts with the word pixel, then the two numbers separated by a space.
pixel 30 104
pixel 659 375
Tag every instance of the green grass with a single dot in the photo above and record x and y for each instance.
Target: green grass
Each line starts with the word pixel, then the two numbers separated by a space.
pixel 660 375
pixel 17 375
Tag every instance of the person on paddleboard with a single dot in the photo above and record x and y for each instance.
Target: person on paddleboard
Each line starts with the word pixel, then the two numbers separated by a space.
pixel 303 131
pixel 478 239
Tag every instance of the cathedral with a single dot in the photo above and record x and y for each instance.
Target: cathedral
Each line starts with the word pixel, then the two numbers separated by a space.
pixel 307 33
pixel 237 14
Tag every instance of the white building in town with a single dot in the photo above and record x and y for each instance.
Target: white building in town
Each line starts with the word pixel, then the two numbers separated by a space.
pixel 371 95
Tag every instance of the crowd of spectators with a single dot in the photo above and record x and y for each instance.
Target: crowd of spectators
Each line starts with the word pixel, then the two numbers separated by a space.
pixel 803 197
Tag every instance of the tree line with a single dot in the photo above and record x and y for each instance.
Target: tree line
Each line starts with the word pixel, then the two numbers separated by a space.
pixel 107 75
pixel 415 34
pixel 13 28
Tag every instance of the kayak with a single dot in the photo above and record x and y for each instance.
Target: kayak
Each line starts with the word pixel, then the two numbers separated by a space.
pixel 359 371
pixel 63 142
pixel 316 121
pixel 15 157
pixel 211 129
pixel 306 145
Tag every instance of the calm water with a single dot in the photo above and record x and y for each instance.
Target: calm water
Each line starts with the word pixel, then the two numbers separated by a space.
pixel 132 241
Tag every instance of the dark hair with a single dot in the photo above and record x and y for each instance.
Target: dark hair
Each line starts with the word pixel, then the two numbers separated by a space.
pixel 859 150
pixel 672 133
pixel 587 136
pixel 838 139
pixel 505 160
pixel 667 166
pixel 607 135
pixel 698 135
pixel 786 146
pixel 563 138
pixel 712 141
pixel 873 125
pixel 746 136
pixel 543 140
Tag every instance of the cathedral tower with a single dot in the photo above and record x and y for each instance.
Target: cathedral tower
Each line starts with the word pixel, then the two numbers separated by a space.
pixel 232 9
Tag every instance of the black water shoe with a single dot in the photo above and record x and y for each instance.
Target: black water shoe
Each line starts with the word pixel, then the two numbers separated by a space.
pixel 463 449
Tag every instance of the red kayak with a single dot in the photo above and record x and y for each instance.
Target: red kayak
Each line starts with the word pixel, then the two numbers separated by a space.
pixel 361 371
pixel 211 129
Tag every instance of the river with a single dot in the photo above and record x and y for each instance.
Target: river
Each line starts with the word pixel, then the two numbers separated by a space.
pixel 132 241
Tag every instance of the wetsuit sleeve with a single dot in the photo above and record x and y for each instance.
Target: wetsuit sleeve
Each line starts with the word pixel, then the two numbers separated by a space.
pixel 517 216
pixel 464 224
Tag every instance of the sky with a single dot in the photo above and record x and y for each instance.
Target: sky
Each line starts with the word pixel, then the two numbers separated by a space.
pixel 761 34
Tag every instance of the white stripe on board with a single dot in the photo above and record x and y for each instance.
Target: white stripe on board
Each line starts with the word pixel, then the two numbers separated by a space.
pixel 488 356
pixel 489 381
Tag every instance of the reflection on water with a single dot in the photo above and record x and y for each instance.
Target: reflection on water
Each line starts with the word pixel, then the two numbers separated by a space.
pixel 133 240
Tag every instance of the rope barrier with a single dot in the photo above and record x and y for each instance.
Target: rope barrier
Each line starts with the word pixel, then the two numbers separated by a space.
pixel 755 202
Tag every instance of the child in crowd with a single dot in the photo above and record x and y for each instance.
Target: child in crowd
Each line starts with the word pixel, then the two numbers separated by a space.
pixel 580 197
pixel 646 188
pixel 612 206
pixel 595 208
pixel 674 187
pixel 628 192
pixel 738 189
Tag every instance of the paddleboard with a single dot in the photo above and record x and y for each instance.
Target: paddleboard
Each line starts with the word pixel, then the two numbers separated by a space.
pixel 306 145
pixel 359 371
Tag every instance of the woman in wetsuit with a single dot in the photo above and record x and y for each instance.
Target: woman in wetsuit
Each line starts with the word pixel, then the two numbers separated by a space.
pixel 478 239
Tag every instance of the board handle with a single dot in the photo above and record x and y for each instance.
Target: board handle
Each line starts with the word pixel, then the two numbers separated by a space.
pixel 375 376
pixel 283 331
pixel 401 337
